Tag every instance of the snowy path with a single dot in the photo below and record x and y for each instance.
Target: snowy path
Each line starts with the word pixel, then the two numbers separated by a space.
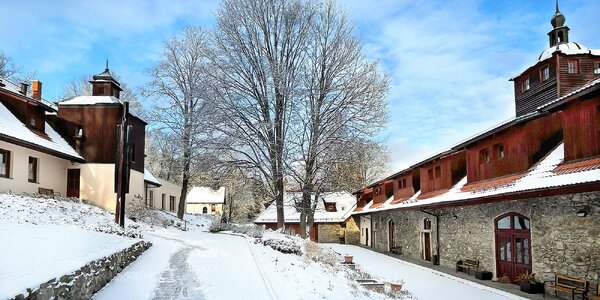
pixel 191 265
pixel 421 282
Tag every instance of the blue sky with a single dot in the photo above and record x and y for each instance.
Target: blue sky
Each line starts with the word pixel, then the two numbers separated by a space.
pixel 449 61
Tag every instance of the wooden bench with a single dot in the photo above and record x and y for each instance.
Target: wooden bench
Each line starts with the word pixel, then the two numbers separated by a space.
pixel 46 192
pixel 467 265
pixel 566 284
pixel 396 250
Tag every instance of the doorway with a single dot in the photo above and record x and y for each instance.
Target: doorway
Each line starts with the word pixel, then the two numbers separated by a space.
pixel 513 245
pixel 73 183
pixel 391 229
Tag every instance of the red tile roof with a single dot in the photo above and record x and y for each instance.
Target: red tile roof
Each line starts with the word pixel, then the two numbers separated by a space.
pixel 578 166
pixel 432 194
pixel 492 183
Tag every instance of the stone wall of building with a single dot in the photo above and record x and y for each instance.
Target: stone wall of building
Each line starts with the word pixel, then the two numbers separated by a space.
pixel 561 241
pixel 83 283
pixel 329 233
pixel 352 232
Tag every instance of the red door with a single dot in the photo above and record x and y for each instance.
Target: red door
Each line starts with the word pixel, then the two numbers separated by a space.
pixel 427 247
pixel 513 245
pixel 73 183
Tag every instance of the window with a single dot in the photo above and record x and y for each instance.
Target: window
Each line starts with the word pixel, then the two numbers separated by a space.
pixel 213 208
pixel 163 202
pixel 573 66
pixel 525 85
pixel 426 224
pixel 438 172
pixel 499 150
pixel 484 156
pixel 78 131
pixel 132 153
pixel 172 203
pixel 597 67
pixel 33 169
pixel 4 163
pixel 430 174
pixel 545 73
pixel 204 210
pixel 151 198
pixel 329 206
pixel 403 183
pixel 32 121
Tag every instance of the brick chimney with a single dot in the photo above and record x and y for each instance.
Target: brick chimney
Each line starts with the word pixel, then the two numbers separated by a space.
pixel 36 89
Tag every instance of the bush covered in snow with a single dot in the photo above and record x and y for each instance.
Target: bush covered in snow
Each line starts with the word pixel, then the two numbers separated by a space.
pixel 250 230
pixel 316 253
pixel 284 246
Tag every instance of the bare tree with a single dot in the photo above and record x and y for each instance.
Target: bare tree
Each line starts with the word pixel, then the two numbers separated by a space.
pixel 343 99
pixel 259 51
pixel 8 69
pixel 81 86
pixel 163 159
pixel 179 88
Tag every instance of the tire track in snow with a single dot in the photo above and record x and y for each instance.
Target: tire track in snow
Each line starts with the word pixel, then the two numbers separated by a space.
pixel 263 277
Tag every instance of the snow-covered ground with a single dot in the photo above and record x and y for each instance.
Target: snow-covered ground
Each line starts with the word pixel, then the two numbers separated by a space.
pixel 42 239
pixel 33 254
pixel 423 283
pixel 201 265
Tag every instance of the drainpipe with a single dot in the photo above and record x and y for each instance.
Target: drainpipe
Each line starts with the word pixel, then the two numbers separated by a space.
pixel 437 235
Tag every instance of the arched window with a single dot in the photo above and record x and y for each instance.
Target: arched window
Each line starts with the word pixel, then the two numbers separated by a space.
pixel 204 210
pixel 426 224
pixel 560 37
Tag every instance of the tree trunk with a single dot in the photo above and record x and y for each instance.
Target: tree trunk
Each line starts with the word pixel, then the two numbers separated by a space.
pixel 187 157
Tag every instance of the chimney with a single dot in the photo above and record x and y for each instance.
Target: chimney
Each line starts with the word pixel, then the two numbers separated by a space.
pixel 36 90
pixel 24 87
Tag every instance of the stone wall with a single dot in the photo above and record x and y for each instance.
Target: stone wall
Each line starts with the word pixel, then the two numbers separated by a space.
pixel 329 233
pixel 92 277
pixel 561 241
pixel 352 232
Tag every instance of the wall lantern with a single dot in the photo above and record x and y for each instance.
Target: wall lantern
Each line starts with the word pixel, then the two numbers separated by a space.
pixel 581 213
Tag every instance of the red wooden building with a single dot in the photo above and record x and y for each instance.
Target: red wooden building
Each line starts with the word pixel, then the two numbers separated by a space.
pixel 516 195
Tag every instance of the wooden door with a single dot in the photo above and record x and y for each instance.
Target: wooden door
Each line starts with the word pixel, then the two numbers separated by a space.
pixel 73 183
pixel 427 246
pixel 513 245
pixel 366 237
pixel 391 229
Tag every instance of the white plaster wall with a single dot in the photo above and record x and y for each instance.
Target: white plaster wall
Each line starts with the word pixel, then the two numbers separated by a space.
pixel 168 189
pixel 196 208
pixel 52 171
pixel 365 223
pixel 97 185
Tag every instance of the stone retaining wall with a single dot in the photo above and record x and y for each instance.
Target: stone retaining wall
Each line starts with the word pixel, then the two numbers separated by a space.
pixel 561 241
pixel 92 277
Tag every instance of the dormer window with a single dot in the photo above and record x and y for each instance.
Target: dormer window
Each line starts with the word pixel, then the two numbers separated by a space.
pixel 403 183
pixel 32 121
pixel 545 73
pixel 499 149
pixel 430 174
pixel 573 66
pixel 597 67
pixel 484 156
pixel 78 131
pixel 438 172
pixel 330 207
pixel 525 85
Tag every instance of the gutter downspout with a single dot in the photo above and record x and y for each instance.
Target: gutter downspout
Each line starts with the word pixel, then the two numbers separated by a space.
pixel 437 235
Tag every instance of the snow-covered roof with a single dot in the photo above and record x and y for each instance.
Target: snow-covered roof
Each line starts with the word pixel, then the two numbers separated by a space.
pixel 13 128
pixel 10 86
pixel 148 177
pixel 345 204
pixel 202 194
pixel 547 174
pixel 90 100
pixel 570 48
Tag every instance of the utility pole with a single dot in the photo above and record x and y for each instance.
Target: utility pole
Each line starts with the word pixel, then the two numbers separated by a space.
pixel 122 164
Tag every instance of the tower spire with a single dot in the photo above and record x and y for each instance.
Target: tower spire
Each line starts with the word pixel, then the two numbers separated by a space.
pixel 106 69
pixel 560 32
pixel 557 11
